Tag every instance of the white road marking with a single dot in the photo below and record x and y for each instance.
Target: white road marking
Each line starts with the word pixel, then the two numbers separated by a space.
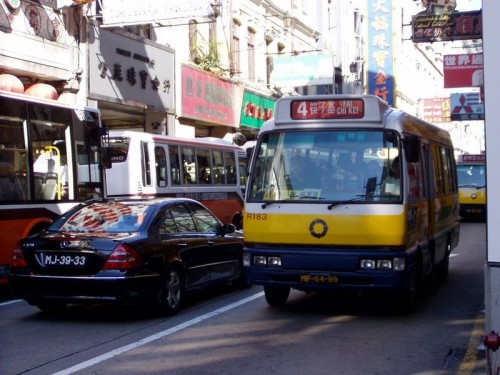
pixel 159 335
pixel 10 302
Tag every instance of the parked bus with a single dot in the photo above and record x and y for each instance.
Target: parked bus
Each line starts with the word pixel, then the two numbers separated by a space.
pixel 209 170
pixel 346 193
pixel 50 156
pixel 472 186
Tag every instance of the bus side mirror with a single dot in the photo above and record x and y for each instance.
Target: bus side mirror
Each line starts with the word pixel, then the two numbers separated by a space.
pixel 106 157
pixel 412 149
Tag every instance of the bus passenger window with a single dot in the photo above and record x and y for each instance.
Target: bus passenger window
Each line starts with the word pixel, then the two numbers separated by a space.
pixel 175 172
pixel 161 166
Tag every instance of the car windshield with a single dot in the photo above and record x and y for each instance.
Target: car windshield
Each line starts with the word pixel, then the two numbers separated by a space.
pixel 326 166
pixel 104 217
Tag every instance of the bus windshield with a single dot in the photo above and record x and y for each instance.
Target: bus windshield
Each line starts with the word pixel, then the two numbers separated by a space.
pixel 471 176
pixel 335 165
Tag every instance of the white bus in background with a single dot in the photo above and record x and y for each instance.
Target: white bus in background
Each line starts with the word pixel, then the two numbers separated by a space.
pixel 209 170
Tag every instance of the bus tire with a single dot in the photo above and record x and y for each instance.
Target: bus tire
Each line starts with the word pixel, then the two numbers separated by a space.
pixel 442 269
pixel 408 298
pixel 276 296
pixel 172 292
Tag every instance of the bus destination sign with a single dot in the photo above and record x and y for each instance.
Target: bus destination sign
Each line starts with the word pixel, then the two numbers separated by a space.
pixel 327 109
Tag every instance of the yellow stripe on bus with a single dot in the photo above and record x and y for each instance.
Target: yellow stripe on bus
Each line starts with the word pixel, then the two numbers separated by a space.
pixel 327 229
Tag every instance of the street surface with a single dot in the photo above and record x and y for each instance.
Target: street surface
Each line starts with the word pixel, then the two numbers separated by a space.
pixel 232 331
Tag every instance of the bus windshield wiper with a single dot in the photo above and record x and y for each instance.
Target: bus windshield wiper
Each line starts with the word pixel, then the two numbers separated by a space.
pixel 357 198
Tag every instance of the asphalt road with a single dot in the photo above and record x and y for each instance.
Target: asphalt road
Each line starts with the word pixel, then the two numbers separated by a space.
pixel 233 331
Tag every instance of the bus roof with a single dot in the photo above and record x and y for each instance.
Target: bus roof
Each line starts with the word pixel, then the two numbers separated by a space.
pixel 321 111
pixel 202 141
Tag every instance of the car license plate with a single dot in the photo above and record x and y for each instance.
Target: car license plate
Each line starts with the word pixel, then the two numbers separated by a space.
pixel 63 260
pixel 320 279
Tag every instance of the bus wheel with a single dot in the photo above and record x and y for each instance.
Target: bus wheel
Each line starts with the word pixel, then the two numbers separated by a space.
pixel 172 292
pixel 276 295
pixel 443 267
pixel 408 298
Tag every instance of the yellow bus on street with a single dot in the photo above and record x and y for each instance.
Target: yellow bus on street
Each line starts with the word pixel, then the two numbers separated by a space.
pixel 347 193
pixel 472 186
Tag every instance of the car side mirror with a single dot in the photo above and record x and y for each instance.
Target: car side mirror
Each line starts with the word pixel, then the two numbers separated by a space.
pixel 227 229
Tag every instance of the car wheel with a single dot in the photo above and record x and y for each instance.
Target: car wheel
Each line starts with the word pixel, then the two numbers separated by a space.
pixel 172 292
pixel 276 295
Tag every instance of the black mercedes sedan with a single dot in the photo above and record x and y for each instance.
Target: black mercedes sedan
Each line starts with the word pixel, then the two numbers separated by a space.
pixel 127 250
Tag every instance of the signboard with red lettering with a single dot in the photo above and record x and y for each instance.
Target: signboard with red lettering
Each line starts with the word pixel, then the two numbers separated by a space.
pixel 466 106
pixel 430 28
pixel 437 110
pixel 208 98
pixel 255 110
pixel 464 70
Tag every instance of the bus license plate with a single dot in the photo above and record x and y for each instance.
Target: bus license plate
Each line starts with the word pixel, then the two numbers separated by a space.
pixel 63 260
pixel 320 279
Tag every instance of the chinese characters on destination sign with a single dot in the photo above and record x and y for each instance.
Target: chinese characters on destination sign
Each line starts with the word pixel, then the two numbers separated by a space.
pixel 327 109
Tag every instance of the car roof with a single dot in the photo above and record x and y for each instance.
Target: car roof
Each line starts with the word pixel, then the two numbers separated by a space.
pixel 145 200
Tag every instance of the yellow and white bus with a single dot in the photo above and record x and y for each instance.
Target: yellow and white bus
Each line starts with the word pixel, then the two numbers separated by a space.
pixel 472 186
pixel 209 170
pixel 346 193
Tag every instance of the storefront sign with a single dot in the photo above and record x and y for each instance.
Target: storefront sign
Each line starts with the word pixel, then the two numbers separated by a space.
pixel 380 51
pixel 466 107
pixel 131 71
pixel 207 98
pixel 129 12
pixel 437 110
pixel 447 26
pixel 296 71
pixel 464 70
pixel 255 110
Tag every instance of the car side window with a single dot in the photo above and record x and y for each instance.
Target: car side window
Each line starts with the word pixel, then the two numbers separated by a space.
pixel 166 224
pixel 204 220
pixel 182 218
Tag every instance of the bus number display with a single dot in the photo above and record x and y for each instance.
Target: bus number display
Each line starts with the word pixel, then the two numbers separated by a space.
pixel 327 109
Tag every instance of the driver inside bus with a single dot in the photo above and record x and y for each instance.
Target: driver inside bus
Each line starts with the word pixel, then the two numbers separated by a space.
pixel 392 181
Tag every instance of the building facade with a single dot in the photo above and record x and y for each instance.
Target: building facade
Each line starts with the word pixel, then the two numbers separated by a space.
pixel 197 68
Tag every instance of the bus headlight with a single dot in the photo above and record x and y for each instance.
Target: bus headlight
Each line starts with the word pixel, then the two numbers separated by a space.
pixel 395 264
pixel 274 261
pixel 368 264
pixel 259 260
pixel 384 264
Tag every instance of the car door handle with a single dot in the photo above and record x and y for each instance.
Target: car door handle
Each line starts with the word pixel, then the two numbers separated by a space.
pixel 182 244
pixel 210 243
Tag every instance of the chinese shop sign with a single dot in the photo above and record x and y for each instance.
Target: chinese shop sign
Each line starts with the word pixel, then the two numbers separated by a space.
pixel 206 97
pixel 447 26
pixel 255 110
pixel 380 51
pixel 464 70
pixel 130 71
pixel 437 110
